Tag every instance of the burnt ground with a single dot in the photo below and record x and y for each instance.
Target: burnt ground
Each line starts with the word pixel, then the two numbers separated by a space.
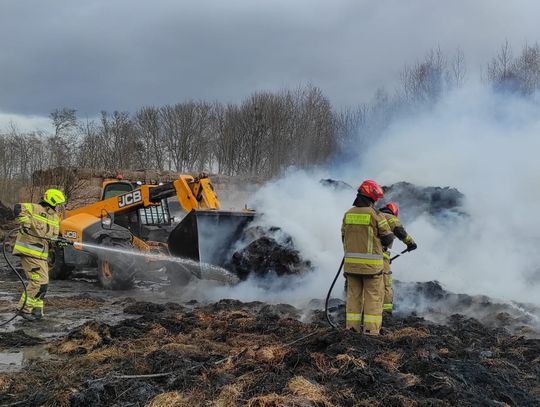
pixel 111 350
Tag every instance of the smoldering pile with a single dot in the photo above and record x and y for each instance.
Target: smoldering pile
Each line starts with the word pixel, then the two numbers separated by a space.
pixel 232 353
pixel 264 250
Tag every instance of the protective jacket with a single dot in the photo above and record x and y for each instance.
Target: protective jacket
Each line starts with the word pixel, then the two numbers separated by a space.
pixel 37 222
pixel 399 231
pixel 362 231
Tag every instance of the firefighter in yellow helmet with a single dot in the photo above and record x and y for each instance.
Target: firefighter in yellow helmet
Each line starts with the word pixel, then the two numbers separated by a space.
pixel 364 232
pixel 38 223
pixel 390 212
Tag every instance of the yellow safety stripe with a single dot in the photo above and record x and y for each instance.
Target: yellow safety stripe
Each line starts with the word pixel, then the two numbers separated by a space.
pixel 26 250
pixel 372 318
pixel 357 219
pixel 408 239
pixel 382 223
pixel 388 307
pixel 390 281
pixel 23 219
pixel 28 207
pixel 392 220
pixel 35 276
pixel 353 260
pixel 386 255
pixel 38 303
pixel 45 220
pixel 353 316
pixel 370 240
pixel 29 301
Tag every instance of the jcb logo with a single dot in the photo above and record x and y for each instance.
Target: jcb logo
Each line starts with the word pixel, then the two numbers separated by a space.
pixel 129 199
pixel 70 234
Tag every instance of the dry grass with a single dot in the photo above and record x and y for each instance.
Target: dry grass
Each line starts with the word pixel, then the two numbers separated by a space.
pixel 301 387
pixel 346 361
pixel 229 395
pixel 90 339
pixel 71 302
pixel 273 354
pixel 408 332
pixel 409 379
pixel 390 360
pixel 5 383
pixel 268 400
pixel 170 399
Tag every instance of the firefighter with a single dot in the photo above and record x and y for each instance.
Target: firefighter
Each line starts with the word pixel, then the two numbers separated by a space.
pixel 364 233
pixel 38 224
pixel 390 212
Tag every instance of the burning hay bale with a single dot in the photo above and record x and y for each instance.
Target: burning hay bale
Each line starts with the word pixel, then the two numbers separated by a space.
pixel 232 353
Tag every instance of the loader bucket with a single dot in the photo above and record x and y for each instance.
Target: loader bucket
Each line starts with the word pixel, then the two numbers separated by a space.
pixel 207 236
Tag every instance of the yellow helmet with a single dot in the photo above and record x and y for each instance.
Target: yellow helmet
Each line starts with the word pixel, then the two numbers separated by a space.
pixel 54 197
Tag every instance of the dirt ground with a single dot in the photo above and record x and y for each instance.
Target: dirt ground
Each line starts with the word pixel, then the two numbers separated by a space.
pixel 138 348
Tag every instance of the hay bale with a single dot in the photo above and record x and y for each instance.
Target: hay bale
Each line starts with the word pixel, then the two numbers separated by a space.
pixel 169 399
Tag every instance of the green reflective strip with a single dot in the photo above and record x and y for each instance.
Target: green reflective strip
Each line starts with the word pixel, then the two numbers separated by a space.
pixel 28 207
pixel 372 318
pixel 23 219
pixel 38 303
pixel 353 316
pixel 353 260
pixel 388 307
pixel 392 220
pixel 357 219
pixel 370 240
pixel 382 223
pixel 386 255
pixel 35 276
pixel 26 250
pixel 45 220
pixel 408 239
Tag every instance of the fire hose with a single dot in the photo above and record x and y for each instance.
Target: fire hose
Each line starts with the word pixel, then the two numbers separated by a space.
pixel 326 311
pixel 19 277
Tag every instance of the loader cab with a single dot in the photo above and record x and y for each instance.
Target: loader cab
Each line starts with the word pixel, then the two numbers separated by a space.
pixel 152 223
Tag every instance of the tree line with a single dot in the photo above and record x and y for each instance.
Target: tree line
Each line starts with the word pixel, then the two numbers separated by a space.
pixel 263 135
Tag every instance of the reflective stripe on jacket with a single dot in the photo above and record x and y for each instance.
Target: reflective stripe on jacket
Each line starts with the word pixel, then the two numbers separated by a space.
pixel 361 231
pixel 37 222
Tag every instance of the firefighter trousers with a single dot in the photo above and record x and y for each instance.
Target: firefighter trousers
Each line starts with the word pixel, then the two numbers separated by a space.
pixel 388 304
pixel 37 273
pixel 364 303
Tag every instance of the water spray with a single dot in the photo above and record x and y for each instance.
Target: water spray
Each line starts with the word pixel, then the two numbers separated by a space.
pixel 208 271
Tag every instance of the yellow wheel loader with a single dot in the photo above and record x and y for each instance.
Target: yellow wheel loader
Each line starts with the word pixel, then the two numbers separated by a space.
pixel 136 218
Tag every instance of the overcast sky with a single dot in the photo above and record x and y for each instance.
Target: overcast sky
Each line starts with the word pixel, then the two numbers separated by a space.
pixel 97 55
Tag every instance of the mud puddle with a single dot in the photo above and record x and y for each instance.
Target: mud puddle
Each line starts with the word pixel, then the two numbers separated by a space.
pixel 15 359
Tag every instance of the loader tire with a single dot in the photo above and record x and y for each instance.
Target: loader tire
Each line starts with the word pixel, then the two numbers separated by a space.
pixel 116 271
pixel 178 274
pixel 58 269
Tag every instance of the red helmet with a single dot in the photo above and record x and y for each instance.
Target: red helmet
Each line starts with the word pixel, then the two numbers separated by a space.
pixel 392 206
pixel 371 189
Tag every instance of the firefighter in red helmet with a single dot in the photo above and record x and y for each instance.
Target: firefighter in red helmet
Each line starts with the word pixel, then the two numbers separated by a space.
pixel 390 212
pixel 365 232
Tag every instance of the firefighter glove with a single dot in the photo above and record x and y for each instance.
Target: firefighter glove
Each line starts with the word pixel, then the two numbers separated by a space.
pixel 411 246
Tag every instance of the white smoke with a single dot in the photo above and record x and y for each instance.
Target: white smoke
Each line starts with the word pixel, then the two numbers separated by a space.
pixel 482 143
